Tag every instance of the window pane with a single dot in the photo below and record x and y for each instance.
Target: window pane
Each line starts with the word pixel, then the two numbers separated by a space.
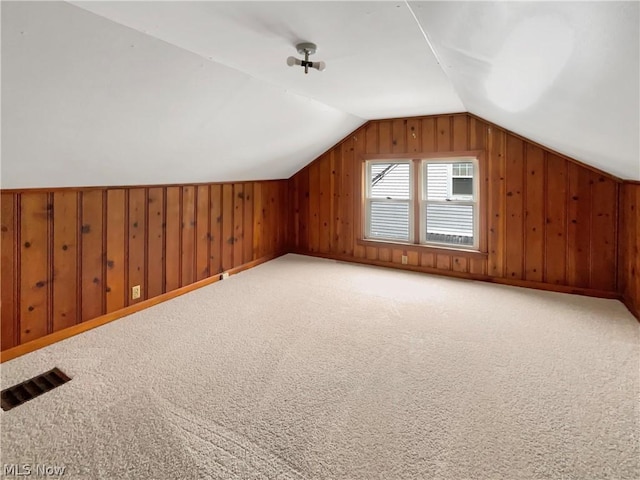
pixel 463 169
pixel 462 186
pixel 390 180
pixel 446 180
pixel 450 224
pixel 389 221
pixel 438 178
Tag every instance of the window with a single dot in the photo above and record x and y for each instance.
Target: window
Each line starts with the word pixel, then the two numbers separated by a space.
pixel 449 203
pixel 388 201
pixel 431 202
pixel 461 179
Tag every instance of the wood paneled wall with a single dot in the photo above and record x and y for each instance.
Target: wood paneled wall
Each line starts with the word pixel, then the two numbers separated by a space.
pixel 629 250
pixel 550 222
pixel 71 255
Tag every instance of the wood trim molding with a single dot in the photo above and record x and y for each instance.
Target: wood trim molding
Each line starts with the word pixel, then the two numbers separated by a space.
pixel 420 155
pixel 52 338
pixel 421 248
pixel 470 276
pixel 126 187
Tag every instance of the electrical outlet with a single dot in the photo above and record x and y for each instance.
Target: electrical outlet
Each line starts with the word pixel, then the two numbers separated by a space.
pixel 405 259
pixel 135 292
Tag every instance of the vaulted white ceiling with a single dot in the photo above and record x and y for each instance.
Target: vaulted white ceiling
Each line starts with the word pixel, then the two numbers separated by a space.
pixel 121 93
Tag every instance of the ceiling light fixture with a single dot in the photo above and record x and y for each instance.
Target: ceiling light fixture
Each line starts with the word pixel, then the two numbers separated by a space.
pixel 306 49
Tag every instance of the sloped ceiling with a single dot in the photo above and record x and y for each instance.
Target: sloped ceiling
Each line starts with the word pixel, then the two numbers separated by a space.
pixel 124 93
pixel 565 74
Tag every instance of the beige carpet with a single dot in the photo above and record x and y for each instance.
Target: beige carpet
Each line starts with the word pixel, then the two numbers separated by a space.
pixel 312 369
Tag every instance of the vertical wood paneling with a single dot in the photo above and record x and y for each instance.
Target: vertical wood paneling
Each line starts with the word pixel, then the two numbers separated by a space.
pixel 202 232
pixel 9 291
pixel 460 264
pixel 443 261
pixel 314 206
pixel 443 134
pixel 188 235
pixel 72 255
pixel 360 146
pixel 414 135
pixel 428 260
pixel 34 265
pixel 478 132
pixel 337 202
pixel 92 232
pixel 399 136
pixel 325 200
pixel 172 238
pixel 603 232
pixel 137 243
pixel 524 207
pixel 460 136
pixel 371 253
pixel 385 137
pixel 258 241
pixel 578 226
pixel 429 134
pixel 116 228
pixel 371 140
pixel 155 242
pixel 347 196
pixel 294 214
pixel 227 227
pixel 497 196
pixel 384 254
pixel 247 234
pixel 238 212
pixel 629 246
pixel 266 218
pixel 281 215
pixel 303 199
pixel 534 213
pixel 556 221
pixel 65 259
pixel 514 258
pixel 215 264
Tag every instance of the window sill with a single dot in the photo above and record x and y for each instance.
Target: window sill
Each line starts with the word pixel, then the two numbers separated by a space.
pixel 413 247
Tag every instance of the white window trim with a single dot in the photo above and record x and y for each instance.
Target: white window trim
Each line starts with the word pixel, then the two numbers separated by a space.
pixel 451 200
pixel 368 199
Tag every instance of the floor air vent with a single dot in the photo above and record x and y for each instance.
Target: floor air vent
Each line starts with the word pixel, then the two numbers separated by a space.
pixel 25 391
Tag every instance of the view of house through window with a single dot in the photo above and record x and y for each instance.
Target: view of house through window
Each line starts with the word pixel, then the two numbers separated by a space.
pixel 389 201
pixel 443 206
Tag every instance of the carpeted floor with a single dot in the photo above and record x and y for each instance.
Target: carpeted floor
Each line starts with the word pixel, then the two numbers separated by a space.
pixel 304 368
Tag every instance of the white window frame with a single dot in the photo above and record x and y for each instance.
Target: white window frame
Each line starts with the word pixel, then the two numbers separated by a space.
pixel 451 200
pixel 368 199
